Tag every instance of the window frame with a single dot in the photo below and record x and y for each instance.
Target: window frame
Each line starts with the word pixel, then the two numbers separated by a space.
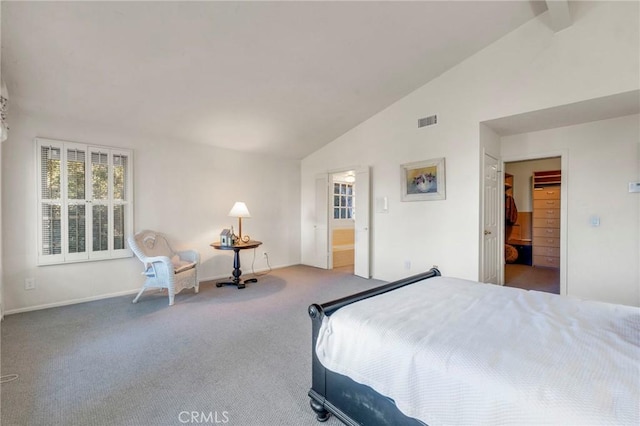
pixel 348 195
pixel 88 254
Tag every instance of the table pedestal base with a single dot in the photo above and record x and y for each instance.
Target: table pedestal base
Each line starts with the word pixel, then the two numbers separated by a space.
pixel 238 283
pixel 235 280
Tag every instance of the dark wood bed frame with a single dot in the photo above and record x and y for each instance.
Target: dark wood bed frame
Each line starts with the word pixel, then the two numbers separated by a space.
pixel 333 393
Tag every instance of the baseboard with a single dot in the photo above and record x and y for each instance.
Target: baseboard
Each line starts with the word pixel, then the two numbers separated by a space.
pixel 121 293
pixel 70 302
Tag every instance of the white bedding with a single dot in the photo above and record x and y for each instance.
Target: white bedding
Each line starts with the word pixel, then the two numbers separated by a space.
pixel 452 351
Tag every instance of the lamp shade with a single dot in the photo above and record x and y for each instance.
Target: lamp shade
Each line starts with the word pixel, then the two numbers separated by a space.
pixel 239 209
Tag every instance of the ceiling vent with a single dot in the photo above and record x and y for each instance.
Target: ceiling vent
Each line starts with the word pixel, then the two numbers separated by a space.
pixel 428 121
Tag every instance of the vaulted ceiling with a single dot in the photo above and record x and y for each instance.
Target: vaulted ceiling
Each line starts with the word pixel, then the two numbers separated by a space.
pixel 283 78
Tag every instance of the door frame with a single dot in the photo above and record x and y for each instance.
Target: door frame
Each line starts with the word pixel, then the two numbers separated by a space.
pixel 564 162
pixel 329 213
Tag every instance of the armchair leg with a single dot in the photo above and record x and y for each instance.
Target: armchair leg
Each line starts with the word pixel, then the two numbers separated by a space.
pixel 172 296
pixel 139 294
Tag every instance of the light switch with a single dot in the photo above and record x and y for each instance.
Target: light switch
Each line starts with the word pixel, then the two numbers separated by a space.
pixel 382 205
pixel 594 220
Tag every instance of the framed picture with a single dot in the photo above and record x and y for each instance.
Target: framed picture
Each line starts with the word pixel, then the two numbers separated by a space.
pixel 423 180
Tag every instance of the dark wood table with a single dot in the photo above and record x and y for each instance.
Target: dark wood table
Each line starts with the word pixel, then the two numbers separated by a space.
pixel 237 273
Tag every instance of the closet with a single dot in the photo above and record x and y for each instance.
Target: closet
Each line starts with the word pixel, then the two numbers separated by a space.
pixel 546 218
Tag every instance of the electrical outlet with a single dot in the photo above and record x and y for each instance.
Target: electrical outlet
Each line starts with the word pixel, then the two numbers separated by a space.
pixel 29 284
pixel 407 264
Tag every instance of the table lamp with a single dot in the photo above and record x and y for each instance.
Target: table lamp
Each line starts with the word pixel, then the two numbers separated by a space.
pixel 239 210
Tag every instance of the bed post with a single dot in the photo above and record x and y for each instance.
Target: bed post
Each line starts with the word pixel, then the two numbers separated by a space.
pixel 318 374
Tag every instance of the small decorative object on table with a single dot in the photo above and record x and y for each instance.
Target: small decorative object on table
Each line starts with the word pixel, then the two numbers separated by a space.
pixel 226 238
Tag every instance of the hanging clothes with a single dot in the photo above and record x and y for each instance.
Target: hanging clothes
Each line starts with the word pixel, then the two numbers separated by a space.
pixel 511 211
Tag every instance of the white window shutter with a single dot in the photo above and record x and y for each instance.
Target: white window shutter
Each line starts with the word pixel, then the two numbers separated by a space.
pixel 85 199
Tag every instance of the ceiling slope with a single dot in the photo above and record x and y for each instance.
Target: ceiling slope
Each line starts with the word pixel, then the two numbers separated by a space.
pixel 283 78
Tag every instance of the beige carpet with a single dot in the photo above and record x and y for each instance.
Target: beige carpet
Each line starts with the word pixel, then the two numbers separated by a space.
pixel 241 357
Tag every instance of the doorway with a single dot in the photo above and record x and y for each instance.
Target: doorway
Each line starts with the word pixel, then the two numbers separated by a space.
pixel 532 224
pixel 332 201
pixel 342 188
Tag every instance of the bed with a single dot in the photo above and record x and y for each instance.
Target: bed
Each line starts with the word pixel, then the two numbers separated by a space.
pixel 438 350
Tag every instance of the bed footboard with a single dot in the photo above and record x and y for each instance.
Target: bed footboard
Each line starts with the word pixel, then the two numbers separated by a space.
pixel 332 393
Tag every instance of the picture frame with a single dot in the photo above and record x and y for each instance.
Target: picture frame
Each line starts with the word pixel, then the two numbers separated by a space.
pixel 423 180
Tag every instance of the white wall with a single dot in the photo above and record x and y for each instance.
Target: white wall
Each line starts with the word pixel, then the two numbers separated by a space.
pixel 530 69
pixel 602 157
pixel 1 273
pixel 183 190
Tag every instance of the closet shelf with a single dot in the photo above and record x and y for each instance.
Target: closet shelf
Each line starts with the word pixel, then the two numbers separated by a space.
pixel 550 177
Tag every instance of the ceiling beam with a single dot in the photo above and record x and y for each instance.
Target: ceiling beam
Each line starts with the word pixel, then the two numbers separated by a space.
pixel 560 15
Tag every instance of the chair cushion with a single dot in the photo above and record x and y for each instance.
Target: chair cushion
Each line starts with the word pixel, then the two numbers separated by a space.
pixel 180 265
pixel 149 271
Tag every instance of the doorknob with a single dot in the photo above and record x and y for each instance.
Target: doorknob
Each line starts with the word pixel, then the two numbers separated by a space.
pixel 487 232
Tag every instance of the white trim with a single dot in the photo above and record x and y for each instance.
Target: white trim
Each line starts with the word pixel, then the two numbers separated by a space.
pixel 121 293
pixel 70 302
pixel 117 254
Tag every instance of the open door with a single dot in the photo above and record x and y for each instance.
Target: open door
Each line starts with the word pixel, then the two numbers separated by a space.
pixel 362 233
pixel 321 228
pixel 321 223
pixel 491 259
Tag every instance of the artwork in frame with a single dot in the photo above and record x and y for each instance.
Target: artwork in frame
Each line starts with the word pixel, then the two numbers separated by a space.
pixel 423 180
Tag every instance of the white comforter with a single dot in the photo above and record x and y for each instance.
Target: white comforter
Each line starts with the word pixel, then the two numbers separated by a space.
pixel 451 351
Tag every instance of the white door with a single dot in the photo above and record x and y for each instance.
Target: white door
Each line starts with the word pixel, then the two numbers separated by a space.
pixel 321 223
pixel 361 243
pixel 491 213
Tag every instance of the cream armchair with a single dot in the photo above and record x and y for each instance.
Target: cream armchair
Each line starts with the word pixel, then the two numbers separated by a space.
pixel 164 267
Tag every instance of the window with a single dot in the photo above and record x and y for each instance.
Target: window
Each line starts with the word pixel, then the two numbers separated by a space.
pixel 343 201
pixel 85 202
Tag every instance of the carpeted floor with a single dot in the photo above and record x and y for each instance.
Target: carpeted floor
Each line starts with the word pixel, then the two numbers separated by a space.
pixel 223 356
pixel 532 278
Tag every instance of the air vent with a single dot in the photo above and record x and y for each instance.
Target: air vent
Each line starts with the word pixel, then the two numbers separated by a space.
pixel 427 121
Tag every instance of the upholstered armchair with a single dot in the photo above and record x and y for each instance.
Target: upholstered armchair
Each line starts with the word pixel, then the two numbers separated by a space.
pixel 164 267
